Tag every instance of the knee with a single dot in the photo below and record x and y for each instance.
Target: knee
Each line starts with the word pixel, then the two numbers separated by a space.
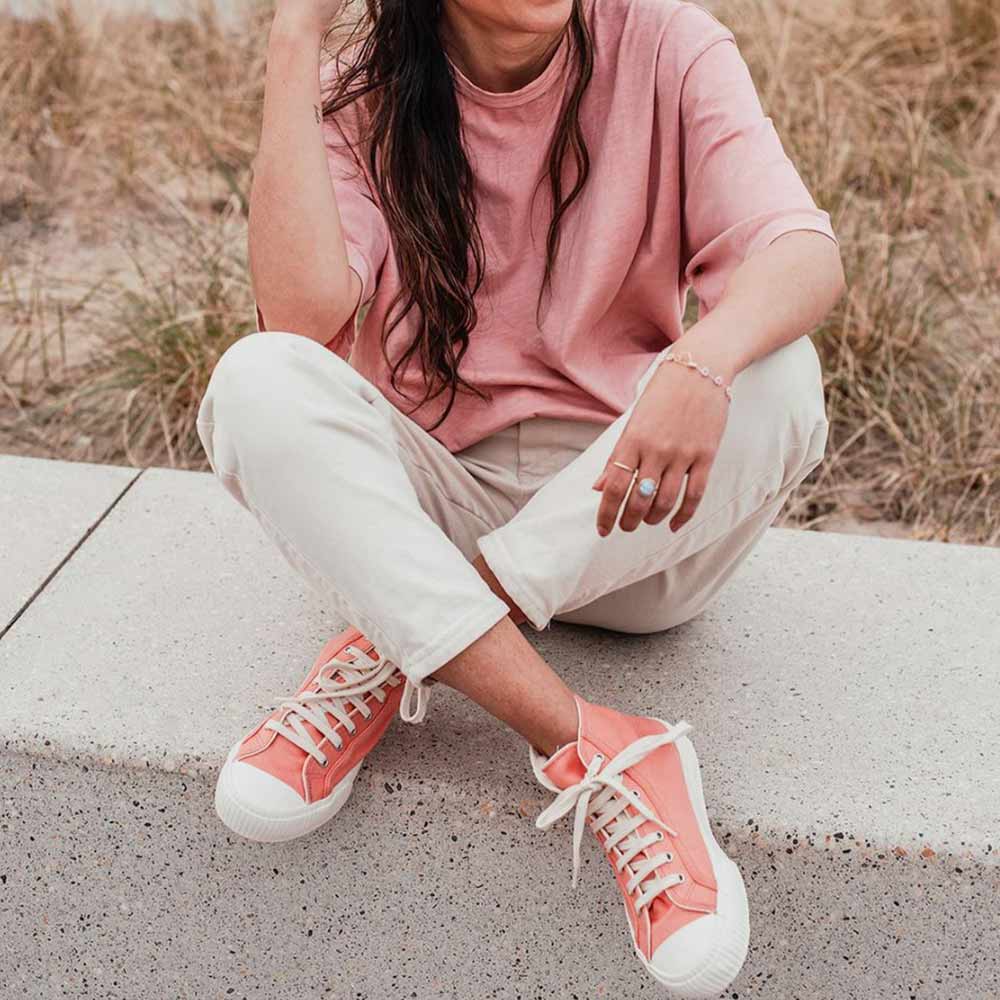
pixel 251 399
pixel 782 399
pixel 246 378
pixel 261 378
pixel 265 391
pixel 231 414
pixel 791 381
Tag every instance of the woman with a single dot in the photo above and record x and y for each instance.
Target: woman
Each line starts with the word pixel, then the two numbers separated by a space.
pixel 521 430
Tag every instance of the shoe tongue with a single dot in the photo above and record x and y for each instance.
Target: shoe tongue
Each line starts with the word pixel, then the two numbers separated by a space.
pixel 564 767
pixel 331 670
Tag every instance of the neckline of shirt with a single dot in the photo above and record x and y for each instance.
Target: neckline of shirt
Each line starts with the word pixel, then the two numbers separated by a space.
pixel 532 89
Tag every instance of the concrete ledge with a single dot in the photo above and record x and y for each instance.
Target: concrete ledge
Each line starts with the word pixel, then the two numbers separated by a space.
pixel 843 692
pixel 46 509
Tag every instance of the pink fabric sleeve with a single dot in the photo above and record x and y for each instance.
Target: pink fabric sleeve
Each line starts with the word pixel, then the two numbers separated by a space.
pixel 740 190
pixel 366 235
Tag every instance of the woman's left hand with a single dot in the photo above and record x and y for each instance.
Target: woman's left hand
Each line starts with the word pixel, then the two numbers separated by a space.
pixel 674 431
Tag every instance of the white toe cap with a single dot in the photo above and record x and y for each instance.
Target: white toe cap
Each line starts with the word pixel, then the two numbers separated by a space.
pixel 687 951
pixel 261 793
pixel 701 959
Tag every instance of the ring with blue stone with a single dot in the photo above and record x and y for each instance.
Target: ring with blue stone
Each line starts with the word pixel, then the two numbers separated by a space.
pixel 647 487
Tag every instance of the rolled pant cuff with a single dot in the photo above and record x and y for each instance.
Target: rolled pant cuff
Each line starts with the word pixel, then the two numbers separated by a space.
pixel 459 636
pixel 500 562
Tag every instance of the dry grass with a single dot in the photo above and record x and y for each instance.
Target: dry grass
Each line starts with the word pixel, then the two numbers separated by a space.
pixel 892 111
pixel 122 227
pixel 123 182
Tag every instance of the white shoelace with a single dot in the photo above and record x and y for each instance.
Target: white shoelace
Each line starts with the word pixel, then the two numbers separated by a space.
pixel 604 811
pixel 333 697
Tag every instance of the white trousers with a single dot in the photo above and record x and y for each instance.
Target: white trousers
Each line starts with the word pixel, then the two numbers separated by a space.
pixel 384 521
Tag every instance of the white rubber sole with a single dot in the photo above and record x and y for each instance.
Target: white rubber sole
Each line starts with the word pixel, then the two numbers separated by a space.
pixel 724 962
pixel 244 821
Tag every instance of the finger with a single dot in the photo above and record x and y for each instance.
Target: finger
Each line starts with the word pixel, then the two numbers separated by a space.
pixel 609 467
pixel 693 492
pixel 637 506
pixel 667 494
pixel 616 484
pixel 615 490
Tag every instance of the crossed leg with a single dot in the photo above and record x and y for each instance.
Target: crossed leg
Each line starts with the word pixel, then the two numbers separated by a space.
pixel 332 471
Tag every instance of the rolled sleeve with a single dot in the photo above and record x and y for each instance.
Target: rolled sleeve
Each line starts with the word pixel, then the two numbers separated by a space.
pixel 366 235
pixel 343 339
pixel 740 190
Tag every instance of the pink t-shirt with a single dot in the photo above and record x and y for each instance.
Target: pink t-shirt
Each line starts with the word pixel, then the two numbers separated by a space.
pixel 687 179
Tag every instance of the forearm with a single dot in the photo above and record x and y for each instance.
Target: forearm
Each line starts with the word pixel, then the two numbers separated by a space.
pixel 771 299
pixel 298 260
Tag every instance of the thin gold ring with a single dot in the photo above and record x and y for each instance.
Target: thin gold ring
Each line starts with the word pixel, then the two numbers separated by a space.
pixel 627 468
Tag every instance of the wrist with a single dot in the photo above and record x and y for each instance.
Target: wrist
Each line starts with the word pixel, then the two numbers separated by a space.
pixel 295 29
pixel 684 360
pixel 719 359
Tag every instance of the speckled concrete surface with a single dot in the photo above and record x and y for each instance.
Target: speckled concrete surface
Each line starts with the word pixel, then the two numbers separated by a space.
pixel 431 883
pixel 843 690
pixel 45 509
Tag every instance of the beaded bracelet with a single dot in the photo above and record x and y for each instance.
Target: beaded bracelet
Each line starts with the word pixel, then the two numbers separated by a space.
pixel 688 362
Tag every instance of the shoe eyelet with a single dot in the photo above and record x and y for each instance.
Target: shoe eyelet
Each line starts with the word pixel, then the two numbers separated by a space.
pixel 680 877
pixel 599 757
pixel 636 794
pixel 325 762
pixel 659 836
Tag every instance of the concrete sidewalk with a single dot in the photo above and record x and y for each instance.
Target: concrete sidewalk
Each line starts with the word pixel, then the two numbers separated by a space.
pixel 844 693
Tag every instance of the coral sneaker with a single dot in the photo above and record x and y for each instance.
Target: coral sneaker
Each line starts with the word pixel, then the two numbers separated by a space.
pixel 636 783
pixel 296 769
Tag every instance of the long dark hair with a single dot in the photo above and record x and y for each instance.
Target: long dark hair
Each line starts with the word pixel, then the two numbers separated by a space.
pixel 394 59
